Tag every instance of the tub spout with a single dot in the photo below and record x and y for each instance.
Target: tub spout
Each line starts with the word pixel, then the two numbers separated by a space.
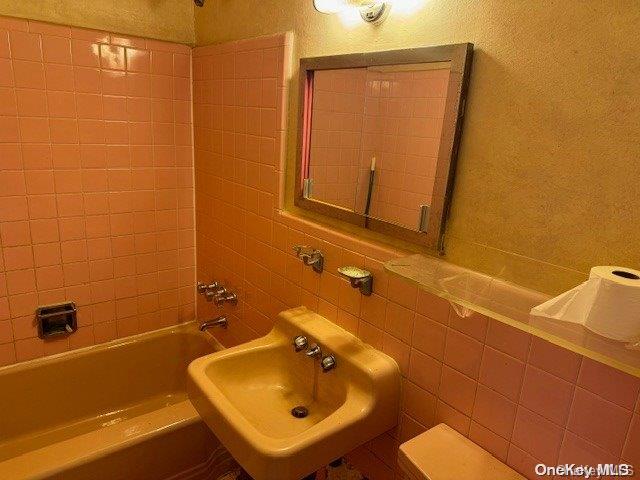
pixel 216 322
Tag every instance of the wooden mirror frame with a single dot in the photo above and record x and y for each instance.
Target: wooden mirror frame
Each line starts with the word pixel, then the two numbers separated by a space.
pixel 460 57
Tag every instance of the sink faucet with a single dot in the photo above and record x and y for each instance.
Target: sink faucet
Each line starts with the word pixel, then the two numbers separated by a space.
pixel 216 322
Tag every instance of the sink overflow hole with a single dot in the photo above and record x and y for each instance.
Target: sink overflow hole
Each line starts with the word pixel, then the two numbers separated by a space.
pixel 299 411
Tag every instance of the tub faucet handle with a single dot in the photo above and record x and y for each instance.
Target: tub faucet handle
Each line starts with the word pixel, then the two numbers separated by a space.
pixel 210 290
pixel 225 297
pixel 203 287
pixel 213 293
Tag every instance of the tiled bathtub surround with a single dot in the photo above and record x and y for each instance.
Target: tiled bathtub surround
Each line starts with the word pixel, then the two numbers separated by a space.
pixel 519 397
pixel 96 183
pixel 238 131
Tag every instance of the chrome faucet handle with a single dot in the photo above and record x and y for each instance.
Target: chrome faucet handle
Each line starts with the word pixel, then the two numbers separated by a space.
pixel 214 292
pixel 209 295
pixel 225 297
pixel 210 290
pixel 218 300
pixel 314 351
pixel 300 343
pixel 203 288
pixel 328 363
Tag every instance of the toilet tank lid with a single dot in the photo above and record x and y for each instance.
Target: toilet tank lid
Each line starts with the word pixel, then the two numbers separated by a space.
pixel 441 453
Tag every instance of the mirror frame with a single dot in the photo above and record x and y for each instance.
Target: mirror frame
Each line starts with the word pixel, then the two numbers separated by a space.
pixel 460 58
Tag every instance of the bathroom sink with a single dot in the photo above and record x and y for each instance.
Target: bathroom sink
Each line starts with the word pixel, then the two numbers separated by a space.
pixel 247 395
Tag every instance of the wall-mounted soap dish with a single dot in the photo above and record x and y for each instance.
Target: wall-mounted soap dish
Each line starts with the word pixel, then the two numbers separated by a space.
pixel 359 278
pixel 58 319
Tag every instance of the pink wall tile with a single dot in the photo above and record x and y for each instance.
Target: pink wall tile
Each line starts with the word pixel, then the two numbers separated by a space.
pixel 457 390
pixel 474 325
pixel 611 384
pixel 433 307
pixel 428 336
pixel 401 293
pixel 577 450
pixel 494 444
pixel 397 350
pixel 537 436
pixel 521 461
pixel 554 359
pixel 508 340
pixel 64 118
pixel 445 413
pixel 463 353
pixel 419 404
pixel 399 321
pixel 425 371
pixel 631 452
pixel 494 411
pixel 599 421
pixel 546 395
pixel 502 373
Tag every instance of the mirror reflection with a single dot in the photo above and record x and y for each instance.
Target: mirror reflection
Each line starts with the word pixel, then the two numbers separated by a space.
pixel 374 140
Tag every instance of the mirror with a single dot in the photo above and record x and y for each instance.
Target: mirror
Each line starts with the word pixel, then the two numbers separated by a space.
pixel 379 138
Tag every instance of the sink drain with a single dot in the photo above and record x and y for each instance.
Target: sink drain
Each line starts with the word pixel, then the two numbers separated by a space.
pixel 299 411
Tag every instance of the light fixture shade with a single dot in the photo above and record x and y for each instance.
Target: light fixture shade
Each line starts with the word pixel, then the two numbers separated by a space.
pixel 330 6
pixel 336 6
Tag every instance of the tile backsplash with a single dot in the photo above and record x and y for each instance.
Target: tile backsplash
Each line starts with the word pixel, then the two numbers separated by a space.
pixel 521 398
pixel 96 176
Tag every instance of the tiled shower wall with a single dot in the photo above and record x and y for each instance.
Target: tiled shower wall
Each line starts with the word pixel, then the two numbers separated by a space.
pixel 96 189
pixel 521 398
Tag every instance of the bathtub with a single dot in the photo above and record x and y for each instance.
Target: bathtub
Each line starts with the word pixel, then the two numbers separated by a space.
pixel 116 410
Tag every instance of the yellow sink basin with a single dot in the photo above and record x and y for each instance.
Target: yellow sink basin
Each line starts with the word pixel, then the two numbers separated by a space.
pixel 246 394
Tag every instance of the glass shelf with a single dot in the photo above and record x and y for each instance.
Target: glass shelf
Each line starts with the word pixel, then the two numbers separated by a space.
pixel 470 291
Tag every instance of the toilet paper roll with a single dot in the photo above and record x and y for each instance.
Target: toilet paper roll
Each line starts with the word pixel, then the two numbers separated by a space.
pixel 607 304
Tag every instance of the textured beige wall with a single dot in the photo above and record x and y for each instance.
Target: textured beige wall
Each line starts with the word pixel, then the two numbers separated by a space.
pixel 548 178
pixel 170 20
